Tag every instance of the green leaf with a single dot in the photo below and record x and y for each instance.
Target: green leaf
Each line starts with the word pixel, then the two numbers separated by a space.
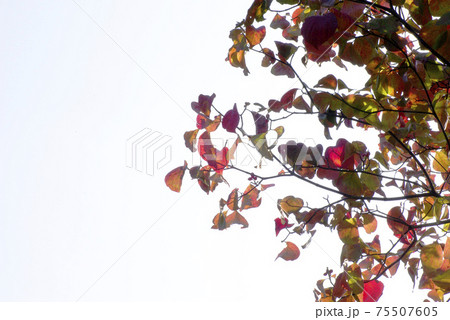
pixel 379 157
pixel 432 257
pixel 260 143
pixel 441 161
pixel 388 119
pixel 385 26
pixel 443 280
pixel 348 231
pixel 349 183
pixel 355 280
pixel 372 182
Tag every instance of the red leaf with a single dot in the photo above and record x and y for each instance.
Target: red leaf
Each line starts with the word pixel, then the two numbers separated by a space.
pixel 290 253
pixel 285 102
pixel 280 224
pixel 204 104
pixel 216 159
pixel 174 178
pixel 205 147
pixel 202 121
pixel 341 156
pixel 221 161
pixel 372 291
pixel 231 120
pixel 318 29
pixel 261 122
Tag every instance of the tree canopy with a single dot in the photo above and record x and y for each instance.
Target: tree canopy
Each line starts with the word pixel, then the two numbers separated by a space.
pixel 403 182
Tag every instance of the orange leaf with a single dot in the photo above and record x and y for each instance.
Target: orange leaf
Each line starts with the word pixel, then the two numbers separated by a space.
pixel 250 198
pixel 267 186
pixel 236 218
pixel 174 178
pixel 290 204
pixel 290 253
pixel 189 139
pixel 390 260
pixel 222 221
pixel 395 219
pixel 255 36
pixel 214 124
pixel 219 221
pixel 233 199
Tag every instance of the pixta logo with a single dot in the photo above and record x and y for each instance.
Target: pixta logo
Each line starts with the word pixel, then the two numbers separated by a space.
pixel 148 151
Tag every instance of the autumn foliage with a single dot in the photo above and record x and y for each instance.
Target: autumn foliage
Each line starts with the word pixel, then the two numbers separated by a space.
pixel 404 47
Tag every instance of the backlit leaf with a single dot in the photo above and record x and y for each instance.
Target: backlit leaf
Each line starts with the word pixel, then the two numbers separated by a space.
pixel 204 104
pixel 280 224
pixel 250 198
pixel 255 35
pixel 174 178
pixel 355 280
pixel 290 253
pixel 396 221
pixel 318 29
pixel 190 139
pixel 328 82
pixel 281 69
pixel 279 22
pixel 290 204
pixel 431 257
pixel 370 222
pixel 261 122
pixel 233 200
pixel 348 231
pixel 443 280
pixel 236 218
pixel 231 119
pixel 373 291
pixel 441 161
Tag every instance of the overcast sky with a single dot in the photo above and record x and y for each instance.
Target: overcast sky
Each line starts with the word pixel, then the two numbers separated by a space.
pixel 79 79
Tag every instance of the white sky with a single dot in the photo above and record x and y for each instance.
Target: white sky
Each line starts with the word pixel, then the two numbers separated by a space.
pixel 72 94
